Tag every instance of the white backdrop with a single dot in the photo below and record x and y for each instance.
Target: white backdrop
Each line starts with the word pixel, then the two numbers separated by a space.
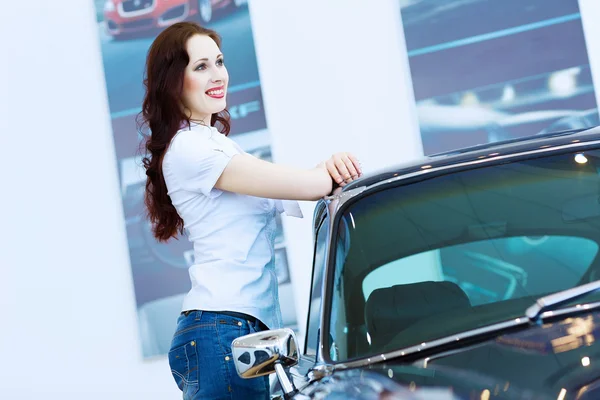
pixel 590 12
pixel 334 78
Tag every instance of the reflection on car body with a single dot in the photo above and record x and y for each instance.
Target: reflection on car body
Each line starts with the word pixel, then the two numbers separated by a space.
pixel 465 275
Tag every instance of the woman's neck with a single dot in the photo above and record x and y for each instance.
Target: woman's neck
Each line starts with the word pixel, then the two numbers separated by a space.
pixel 200 120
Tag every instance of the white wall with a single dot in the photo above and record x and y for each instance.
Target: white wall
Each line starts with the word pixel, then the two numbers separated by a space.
pixel 334 79
pixel 590 11
pixel 68 326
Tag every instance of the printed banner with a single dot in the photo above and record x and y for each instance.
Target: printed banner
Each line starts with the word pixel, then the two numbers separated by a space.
pixel 490 70
pixel 127 29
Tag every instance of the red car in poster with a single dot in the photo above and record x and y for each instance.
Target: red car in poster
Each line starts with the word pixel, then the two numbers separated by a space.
pixel 124 17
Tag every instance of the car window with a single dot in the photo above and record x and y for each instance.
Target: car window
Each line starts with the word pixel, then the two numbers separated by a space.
pixel 426 260
pixel 495 269
pixel 312 330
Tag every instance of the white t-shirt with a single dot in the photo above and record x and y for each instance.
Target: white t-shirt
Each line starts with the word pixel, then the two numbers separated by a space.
pixel 233 234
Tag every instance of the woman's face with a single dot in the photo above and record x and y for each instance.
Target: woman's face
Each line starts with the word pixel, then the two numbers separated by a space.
pixel 205 79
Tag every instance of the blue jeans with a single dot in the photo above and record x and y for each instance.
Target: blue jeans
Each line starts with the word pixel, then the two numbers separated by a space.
pixel 201 361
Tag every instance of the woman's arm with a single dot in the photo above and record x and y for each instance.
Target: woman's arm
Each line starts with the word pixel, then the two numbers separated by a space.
pixel 255 177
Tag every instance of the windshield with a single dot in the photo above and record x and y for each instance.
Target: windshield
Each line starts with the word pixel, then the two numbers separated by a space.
pixel 456 252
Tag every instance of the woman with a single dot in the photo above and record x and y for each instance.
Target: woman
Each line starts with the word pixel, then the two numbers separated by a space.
pixel 227 201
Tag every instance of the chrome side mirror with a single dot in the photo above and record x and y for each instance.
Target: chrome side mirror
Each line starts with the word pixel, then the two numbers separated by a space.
pixel 266 352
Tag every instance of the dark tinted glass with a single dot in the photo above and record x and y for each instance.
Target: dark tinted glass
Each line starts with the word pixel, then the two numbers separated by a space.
pixel 457 252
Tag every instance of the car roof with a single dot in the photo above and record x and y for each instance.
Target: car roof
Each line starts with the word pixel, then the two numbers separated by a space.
pixel 488 150
pixel 546 142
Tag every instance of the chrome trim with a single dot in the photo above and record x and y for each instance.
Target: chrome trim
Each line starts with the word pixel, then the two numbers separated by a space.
pixel 145 11
pixel 554 299
pixel 424 363
pixel 338 194
pixel 569 310
pixel 315 230
pixel 284 381
pixel 262 353
pixel 330 203
pixel 433 344
pixel 316 214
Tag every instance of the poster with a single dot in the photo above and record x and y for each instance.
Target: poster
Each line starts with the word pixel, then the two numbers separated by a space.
pixel 491 70
pixel 126 31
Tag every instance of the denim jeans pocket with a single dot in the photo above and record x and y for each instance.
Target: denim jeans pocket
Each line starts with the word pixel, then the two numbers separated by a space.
pixel 183 361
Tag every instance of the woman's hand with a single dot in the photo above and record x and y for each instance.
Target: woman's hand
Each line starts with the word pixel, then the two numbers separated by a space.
pixel 343 168
pixel 255 177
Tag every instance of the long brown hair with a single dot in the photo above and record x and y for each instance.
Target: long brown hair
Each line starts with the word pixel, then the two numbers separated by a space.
pixel 163 115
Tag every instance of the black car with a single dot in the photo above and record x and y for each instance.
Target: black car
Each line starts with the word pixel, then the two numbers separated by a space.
pixel 468 275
